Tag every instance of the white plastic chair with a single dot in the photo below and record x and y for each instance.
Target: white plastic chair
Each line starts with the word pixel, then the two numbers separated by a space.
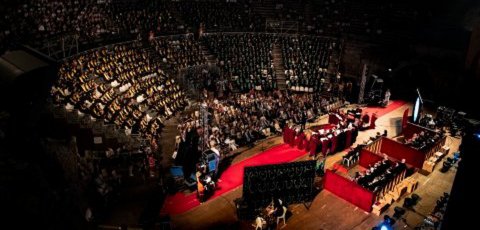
pixel 259 223
pixel 347 161
pixel 282 216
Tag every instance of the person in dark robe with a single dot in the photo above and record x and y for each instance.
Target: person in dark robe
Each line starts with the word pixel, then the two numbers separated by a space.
pixel 334 141
pixel 372 121
pixel 348 138
pixel 341 139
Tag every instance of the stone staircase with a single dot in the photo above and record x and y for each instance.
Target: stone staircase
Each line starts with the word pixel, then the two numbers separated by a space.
pixel 278 67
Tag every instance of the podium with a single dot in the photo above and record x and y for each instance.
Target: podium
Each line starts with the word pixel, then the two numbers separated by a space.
pixel 406 186
pixel 429 165
pixel 380 207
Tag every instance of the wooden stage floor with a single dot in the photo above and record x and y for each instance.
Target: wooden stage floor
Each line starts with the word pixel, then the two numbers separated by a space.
pixel 327 211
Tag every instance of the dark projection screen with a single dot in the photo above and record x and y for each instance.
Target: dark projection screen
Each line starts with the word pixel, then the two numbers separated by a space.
pixel 291 182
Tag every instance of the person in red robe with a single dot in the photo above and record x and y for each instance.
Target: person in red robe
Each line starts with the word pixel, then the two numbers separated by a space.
pixel 306 143
pixel 313 145
pixel 299 141
pixel 291 137
pixel 325 142
pixel 286 134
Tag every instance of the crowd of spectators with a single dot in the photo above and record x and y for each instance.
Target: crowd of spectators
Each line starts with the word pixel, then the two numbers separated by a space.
pixel 133 17
pixel 121 85
pixel 204 79
pixel 245 59
pixel 98 177
pixel 40 19
pixel 93 21
pixel 306 59
pixel 423 140
pixel 179 52
pixel 34 22
pixel 220 16
pixel 378 175
pixel 243 119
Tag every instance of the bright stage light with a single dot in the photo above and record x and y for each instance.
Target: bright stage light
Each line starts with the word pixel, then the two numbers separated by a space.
pixel 477 135
pixel 385 227
pixel 416 110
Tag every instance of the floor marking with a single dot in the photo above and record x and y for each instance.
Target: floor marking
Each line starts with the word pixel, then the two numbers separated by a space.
pixel 426 181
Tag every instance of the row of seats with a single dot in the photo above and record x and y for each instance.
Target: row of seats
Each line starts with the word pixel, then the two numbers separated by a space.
pixel 178 52
pixel 92 21
pixel 352 156
pixel 121 85
pixel 245 59
pixel 306 59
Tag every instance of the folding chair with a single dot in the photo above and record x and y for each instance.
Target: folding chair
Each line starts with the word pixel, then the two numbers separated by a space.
pixel 177 173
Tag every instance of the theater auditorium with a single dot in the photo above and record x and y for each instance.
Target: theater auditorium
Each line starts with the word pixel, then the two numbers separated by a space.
pixel 238 114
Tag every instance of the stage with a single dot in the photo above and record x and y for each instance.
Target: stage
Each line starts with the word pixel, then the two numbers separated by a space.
pixel 327 210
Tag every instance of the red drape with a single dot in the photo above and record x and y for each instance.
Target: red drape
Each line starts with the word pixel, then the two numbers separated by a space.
pixel 348 190
pixel 368 158
pixel 400 151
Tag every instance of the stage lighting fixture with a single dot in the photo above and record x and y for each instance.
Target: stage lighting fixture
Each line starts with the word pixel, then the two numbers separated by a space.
pixel 385 227
pixel 477 135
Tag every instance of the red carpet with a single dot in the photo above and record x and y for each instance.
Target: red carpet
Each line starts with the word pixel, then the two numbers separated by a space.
pixel 232 177
pixel 382 111
pixel 339 167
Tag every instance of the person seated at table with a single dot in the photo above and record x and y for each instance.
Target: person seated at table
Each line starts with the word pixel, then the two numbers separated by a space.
pixel 278 209
pixel 357 175
pixel 200 185
pixel 366 118
pixel 205 184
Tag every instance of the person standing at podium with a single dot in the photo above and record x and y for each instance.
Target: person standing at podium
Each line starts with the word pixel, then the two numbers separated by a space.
pixel 213 147
pixel 387 98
